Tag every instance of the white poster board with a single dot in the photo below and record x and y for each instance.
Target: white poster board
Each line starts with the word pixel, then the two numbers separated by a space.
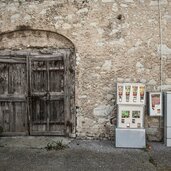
pixel 155 106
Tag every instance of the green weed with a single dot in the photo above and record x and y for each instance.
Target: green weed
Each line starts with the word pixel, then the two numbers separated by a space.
pixel 56 145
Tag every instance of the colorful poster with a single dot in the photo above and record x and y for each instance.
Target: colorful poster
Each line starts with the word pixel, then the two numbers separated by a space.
pixel 120 93
pixel 142 89
pixel 125 114
pixel 155 104
pixel 134 93
pixel 131 93
pixel 127 92
pixel 135 114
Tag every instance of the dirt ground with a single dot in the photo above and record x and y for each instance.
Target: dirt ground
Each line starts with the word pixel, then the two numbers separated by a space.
pixel 30 154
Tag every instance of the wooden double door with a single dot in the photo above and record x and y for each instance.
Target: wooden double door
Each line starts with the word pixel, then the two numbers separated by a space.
pixel 34 94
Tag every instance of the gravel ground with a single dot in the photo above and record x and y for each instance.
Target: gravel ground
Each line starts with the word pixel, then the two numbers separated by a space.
pixel 25 154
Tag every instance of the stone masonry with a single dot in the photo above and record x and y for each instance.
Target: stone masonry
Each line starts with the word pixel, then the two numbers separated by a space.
pixel 114 40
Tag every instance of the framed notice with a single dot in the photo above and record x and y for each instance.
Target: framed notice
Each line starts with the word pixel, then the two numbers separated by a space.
pixel 155 106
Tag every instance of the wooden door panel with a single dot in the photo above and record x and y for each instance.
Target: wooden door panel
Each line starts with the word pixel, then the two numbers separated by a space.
pixel 5 113
pixel 17 83
pixel 56 76
pixel 56 83
pixel 38 76
pixel 13 92
pixel 38 128
pixel 20 119
pixel 57 111
pixel 4 69
pixel 12 116
pixel 39 83
pixel 39 110
pixel 47 97
pixel 37 86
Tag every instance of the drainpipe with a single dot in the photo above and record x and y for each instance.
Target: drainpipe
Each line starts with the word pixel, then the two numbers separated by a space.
pixel 160 49
pixel 160 53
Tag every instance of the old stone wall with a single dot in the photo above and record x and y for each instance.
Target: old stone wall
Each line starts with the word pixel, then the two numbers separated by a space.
pixel 115 41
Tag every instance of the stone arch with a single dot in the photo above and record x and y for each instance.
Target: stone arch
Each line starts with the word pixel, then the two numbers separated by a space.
pixel 31 38
pixel 24 41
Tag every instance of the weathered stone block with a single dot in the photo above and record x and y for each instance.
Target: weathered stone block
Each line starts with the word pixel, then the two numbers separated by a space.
pixel 106 1
pixel 66 26
pixel 152 82
pixel 107 65
pixel 103 110
pixel 165 49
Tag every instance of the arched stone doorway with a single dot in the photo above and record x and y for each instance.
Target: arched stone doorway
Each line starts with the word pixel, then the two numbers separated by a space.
pixel 37 85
